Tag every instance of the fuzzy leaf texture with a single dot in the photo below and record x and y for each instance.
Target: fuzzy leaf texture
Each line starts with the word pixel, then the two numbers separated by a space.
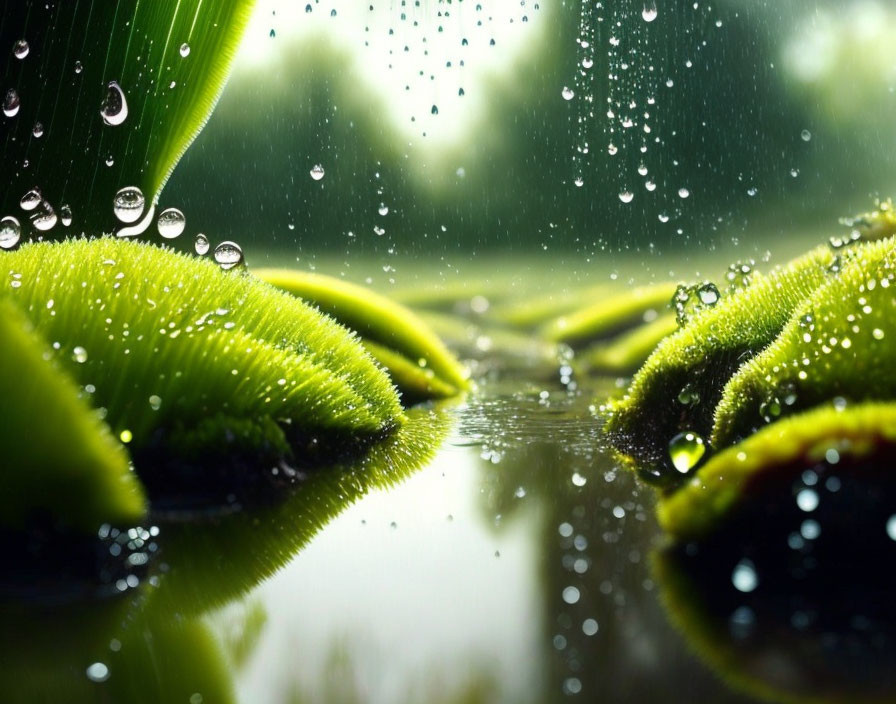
pixel 169 57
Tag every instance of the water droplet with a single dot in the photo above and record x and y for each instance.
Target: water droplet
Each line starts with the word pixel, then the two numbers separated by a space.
pixel 807 500
pixel 708 293
pixel 79 354
pixel 11 103
pixel 126 436
pixel 571 595
pixel 434 110
pixel 383 209
pixel 579 182
pixel 317 172
pixel 65 215
pixel 642 170
pixel 128 204
pixel 806 135
pixel 650 185
pixel 589 627
pixel 45 218
pixel 685 451
pixel 626 196
pixel 891 527
pixel 567 93
pixel 688 396
pixel 185 50
pixel 78 67
pixel 21 49
pixel 171 223
pixel 649 12
pixel 201 244
pixel 683 193
pixel 155 402
pixel 97 672
pixel 770 409
pixel 877 334
pixel 114 109
pixel 110 160
pixel 38 130
pixel 31 199
pixel 10 232
pixel 228 255
pixel 612 149
pixel 662 217
pixel 744 577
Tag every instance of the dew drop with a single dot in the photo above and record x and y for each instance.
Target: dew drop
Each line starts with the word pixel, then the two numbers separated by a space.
pixel 11 103
pixel 128 204
pixel 31 199
pixel 38 130
pixel 21 49
pixel 114 109
pixel 201 244
pixel 10 232
pixel 383 209
pixel 708 293
pixel 685 451
pixel 683 193
pixel 79 354
pixel 579 182
pixel 78 67
pixel 65 215
pixel 45 218
pixel 317 172
pixel 626 196
pixel 891 527
pixel 228 255
pixel 97 672
pixel 567 93
pixel 171 223
pixel 649 12
pixel 185 50
pixel 650 185
pixel 744 577
pixel 806 135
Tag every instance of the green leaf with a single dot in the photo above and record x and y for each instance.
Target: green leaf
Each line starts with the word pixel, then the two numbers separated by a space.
pixel 59 458
pixel 626 352
pixel 400 339
pixel 680 384
pixel 76 49
pixel 181 354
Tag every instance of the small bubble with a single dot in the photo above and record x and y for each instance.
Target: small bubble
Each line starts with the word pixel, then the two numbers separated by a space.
pixel 114 109
pixel 20 49
pixel 201 244
pixel 589 627
pixel 317 172
pixel 228 255
pixel 185 50
pixel 171 223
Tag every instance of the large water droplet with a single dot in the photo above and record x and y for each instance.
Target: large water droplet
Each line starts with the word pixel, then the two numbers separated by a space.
pixel 11 103
pixel 201 244
pixel 185 50
pixel 31 199
pixel 228 255
pixel 317 172
pixel 21 49
pixel 10 232
pixel 708 293
pixel 567 93
pixel 128 204
pixel 98 672
pixel 115 106
pixel 626 196
pixel 171 223
pixel 744 577
pixel 685 451
pixel 649 12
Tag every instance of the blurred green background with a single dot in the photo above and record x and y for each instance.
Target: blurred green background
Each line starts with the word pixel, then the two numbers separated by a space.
pixel 773 116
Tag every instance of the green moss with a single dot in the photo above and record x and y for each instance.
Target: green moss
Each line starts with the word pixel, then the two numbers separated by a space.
pixel 626 352
pixel 840 342
pixel 58 456
pixel 791 445
pixel 399 339
pixel 680 384
pixel 175 351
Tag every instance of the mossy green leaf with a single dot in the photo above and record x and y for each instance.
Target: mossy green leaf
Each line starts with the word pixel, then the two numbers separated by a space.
pixel 383 322
pixel 168 58
pixel 791 444
pixel 59 458
pixel 169 346
pixel 840 342
pixel 678 388
pixel 608 315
